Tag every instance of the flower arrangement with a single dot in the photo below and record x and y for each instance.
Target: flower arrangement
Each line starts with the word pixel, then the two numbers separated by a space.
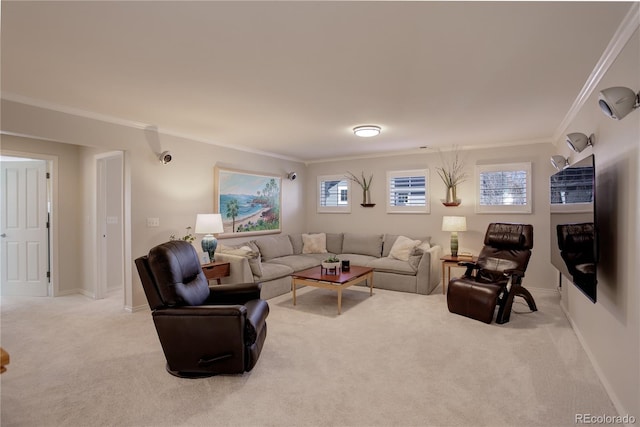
pixel 364 184
pixel 189 237
pixel 452 172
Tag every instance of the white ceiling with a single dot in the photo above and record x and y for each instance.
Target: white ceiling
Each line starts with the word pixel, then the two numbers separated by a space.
pixel 293 78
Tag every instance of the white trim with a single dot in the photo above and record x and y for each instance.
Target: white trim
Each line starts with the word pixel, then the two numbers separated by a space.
pixel 622 35
pixel 133 124
pixel 500 209
pixel 52 168
pixel 594 362
pixel 409 209
pixel 333 209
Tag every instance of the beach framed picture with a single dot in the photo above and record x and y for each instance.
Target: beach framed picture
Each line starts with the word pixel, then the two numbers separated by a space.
pixel 249 202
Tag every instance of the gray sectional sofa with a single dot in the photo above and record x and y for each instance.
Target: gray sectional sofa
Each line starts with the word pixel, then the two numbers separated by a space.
pixel 271 260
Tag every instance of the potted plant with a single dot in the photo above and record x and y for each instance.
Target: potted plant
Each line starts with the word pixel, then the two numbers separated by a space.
pixel 452 173
pixel 331 263
pixel 189 237
pixel 365 185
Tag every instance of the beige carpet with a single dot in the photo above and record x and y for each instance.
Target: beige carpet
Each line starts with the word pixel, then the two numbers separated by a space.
pixel 390 359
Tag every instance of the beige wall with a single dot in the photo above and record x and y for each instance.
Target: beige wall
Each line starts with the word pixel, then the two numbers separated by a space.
pixel 361 219
pixel 610 329
pixel 174 193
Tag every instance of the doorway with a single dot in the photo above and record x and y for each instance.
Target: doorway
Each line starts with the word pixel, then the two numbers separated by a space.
pixel 26 206
pixel 109 225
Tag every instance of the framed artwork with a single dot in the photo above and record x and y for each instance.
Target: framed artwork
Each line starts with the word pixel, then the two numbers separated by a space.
pixel 249 202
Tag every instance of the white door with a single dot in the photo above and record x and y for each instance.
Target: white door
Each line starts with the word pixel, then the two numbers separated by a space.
pixel 23 228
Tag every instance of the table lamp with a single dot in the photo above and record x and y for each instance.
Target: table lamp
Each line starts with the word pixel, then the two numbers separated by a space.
pixel 208 224
pixel 454 224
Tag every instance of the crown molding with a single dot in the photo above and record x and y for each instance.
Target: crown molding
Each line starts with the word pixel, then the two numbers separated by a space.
pixel 627 27
pixel 132 124
pixel 432 149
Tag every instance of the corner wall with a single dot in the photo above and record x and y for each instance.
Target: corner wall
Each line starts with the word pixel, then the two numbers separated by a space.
pixel 610 329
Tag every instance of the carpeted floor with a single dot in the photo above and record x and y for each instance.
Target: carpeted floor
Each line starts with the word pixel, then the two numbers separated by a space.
pixel 391 359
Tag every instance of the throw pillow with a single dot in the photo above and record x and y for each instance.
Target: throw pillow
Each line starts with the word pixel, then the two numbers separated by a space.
pixel 247 250
pixel 402 248
pixel 314 243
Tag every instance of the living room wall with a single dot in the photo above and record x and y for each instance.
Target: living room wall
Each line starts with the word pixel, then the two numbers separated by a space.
pixel 174 193
pixel 610 329
pixel 377 220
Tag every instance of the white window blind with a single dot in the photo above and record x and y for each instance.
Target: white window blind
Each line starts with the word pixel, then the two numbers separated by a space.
pixel 504 188
pixel 407 191
pixel 334 194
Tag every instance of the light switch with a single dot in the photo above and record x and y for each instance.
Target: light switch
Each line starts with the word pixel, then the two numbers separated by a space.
pixel 153 222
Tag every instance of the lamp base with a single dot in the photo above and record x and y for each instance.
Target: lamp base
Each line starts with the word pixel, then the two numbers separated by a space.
pixel 454 243
pixel 209 244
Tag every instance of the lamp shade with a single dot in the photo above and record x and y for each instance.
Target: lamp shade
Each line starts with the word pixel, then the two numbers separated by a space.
pixel 453 223
pixel 209 224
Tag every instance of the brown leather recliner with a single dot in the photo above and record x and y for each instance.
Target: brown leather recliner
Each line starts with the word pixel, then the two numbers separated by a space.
pixel 203 330
pixel 496 277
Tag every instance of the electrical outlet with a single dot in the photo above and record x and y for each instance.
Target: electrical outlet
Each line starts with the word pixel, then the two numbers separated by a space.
pixel 153 222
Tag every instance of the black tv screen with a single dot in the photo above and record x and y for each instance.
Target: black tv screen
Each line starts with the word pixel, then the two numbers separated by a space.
pixel 574 236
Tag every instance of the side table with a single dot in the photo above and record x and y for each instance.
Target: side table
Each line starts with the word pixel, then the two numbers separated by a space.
pixel 216 270
pixel 449 261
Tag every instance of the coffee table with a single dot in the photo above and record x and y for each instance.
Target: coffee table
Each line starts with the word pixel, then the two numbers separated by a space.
pixel 337 282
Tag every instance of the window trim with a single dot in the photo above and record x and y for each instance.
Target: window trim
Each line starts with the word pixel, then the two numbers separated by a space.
pixel 333 209
pixel 409 209
pixel 505 167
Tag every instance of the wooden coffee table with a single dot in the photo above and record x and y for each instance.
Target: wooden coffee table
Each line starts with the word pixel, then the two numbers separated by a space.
pixel 337 282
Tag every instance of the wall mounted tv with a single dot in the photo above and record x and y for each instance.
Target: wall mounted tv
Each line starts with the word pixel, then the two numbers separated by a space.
pixel 574 235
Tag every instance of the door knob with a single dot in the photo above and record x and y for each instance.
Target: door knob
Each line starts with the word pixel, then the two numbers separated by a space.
pixel 3 235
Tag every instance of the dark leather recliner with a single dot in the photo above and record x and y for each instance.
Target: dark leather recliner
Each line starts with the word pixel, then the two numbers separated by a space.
pixel 496 277
pixel 578 251
pixel 203 330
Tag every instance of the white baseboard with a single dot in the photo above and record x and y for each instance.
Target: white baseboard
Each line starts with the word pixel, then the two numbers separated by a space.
pixel 603 379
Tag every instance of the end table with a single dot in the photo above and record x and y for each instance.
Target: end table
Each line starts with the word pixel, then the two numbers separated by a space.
pixel 216 270
pixel 452 261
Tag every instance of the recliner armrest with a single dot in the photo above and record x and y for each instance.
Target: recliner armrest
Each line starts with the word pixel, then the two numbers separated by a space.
pixel 203 310
pixel 471 265
pixel 514 272
pixel 234 294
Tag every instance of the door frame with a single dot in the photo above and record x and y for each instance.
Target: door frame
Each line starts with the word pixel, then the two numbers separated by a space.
pixel 100 160
pixel 52 199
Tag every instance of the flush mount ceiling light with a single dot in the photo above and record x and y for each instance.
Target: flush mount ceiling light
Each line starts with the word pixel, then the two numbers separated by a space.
pixel 579 141
pixel 366 131
pixel 559 162
pixel 617 102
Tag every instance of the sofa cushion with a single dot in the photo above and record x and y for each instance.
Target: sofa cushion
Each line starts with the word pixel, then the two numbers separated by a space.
pixel 357 259
pixel 271 270
pixel 296 243
pixel 392 265
pixel 298 262
pixel 334 243
pixel 274 246
pixel 390 239
pixel 363 244
pixel 314 243
pixel 403 247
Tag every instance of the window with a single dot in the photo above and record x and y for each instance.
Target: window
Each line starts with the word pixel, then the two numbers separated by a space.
pixel 504 188
pixel 407 191
pixel 334 194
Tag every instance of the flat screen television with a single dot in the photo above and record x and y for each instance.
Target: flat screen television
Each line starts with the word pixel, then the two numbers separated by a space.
pixel 574 231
